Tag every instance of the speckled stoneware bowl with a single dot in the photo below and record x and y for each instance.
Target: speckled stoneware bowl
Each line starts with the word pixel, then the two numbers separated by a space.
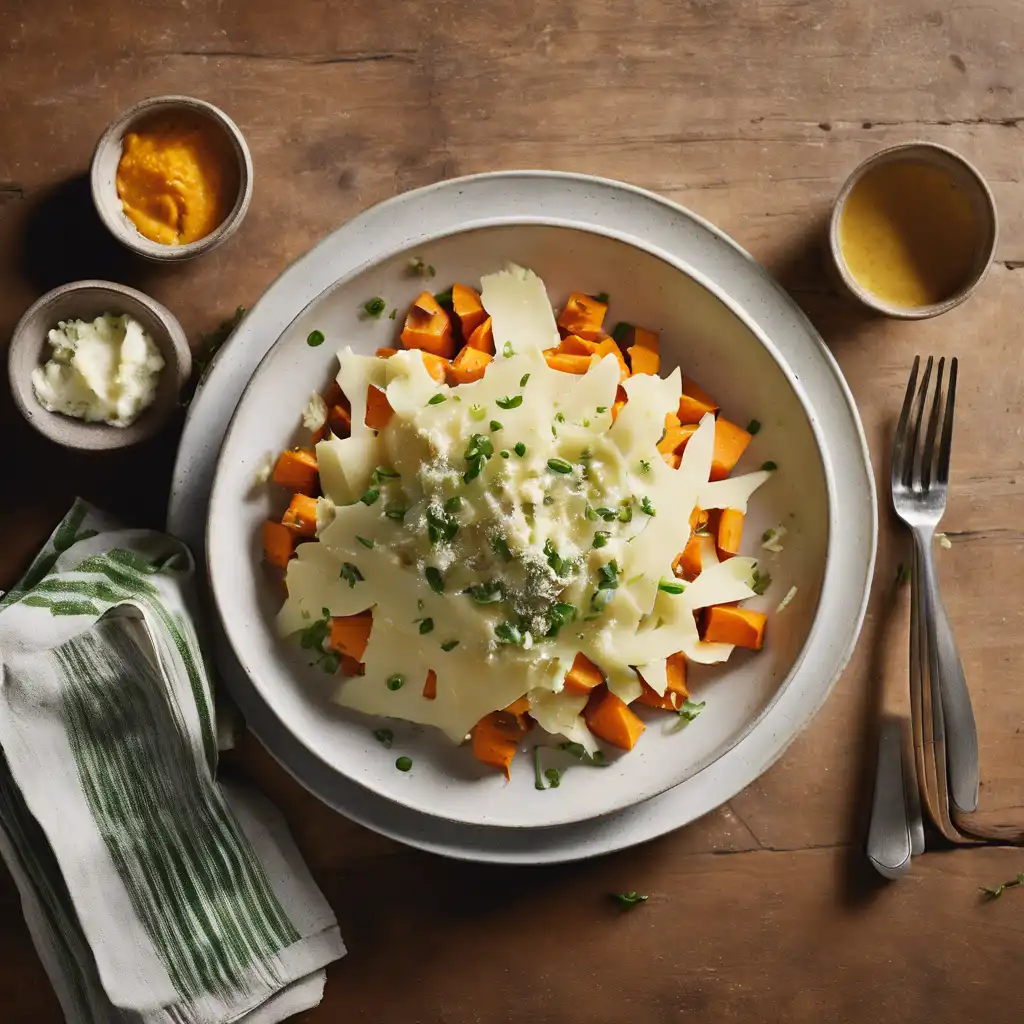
pixel 86 300
pixel 104 187
pixel 967 177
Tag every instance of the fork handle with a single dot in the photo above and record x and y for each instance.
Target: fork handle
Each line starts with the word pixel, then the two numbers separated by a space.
pixel 944 663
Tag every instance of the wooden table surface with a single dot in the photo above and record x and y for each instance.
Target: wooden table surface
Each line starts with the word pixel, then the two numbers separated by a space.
pixel 751 114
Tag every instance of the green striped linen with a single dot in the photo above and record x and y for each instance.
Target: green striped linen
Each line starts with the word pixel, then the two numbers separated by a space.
pixel 153 892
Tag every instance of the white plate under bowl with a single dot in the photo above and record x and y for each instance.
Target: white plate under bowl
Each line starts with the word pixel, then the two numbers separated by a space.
pixel 698 330
pixel 410 219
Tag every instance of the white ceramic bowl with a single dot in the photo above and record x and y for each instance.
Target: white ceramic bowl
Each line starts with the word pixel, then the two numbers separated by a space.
pixel 103 174
pixel 701 331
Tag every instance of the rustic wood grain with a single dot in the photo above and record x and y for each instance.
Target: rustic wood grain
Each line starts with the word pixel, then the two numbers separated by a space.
pixel 751 114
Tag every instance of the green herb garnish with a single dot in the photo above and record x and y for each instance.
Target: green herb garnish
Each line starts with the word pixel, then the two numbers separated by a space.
pixel 437 399
pixel 621 332
pixel 628 899
pixel 504 453
pixel 559 417
pixel 509 402
pixel 761 581
pixel 500 547
pixel 689 711
pixel 434 579
pixel 426 626
pixel 538 779
pixel 396 682
pixel 753 427
pixel 560 614
pixel 350 574
pixel 453 504
pixel 383 473
pixel 449 645
pixel 522 380
pixel 315 338
pixel 769 465
pixel 385 736
pixel 601 297
pixel 374 307
pixel 601 409
pixel 559 466
pixel 625 513
pixel 580 752
pixel 495 425
pixel 671 586
pixel 365 541
pixel 645 466
pixel 395 512
pixel 477 412
pixel 993 892
pixel 444 298
pixel 508 633
pixel 370 496
pixel 417 266
pixel 403 764
pixel 646 507
pixel 601 538
pixel 393 314
pixel 520 449
pixel 478 451
pixel 554 777
pixel 608 576
pixel 491 592
pixel 507 350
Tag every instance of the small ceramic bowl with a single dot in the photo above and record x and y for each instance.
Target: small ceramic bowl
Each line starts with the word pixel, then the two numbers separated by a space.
pixel 104 187
pixel 86 300
pixel 968 178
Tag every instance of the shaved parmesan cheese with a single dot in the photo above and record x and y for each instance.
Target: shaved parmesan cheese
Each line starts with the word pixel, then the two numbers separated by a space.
pixel 772 539
pixel 784 603
pixel 734 492
pixel 517 302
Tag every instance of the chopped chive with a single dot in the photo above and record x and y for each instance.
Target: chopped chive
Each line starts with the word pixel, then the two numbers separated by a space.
pixel 385 736
pixel 761 581
pixel 365 541
pixel 753 426
pixel 559 466
pixel 645 466
pixel 453 504
pixel 477 412
pixel 559 417
pixel 520 449
pixel 384 473
pixel 426 626
pixel 504 453
pixel 646 507
pixel 580 752
pixel 538 778
pixel 434 579
pixel 592 514
pixel 601 409
pixel 509 402
pixel 404 764
pixel 601 297
pixel 370 496
pixel 495 425
pixel 500 547
pixel 449 645
pixel 315 338
pixel 671 586
pixel 601 538
pixel 769 465
pixel 437 399
pixel 508 633
pixel 523 380
pixel 395 512
pixel 393 314
pixel 396 682
pixel 625 513
pixel 507 350
pixel 374 307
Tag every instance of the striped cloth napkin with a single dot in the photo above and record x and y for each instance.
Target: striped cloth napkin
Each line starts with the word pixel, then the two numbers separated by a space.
pixel 154 894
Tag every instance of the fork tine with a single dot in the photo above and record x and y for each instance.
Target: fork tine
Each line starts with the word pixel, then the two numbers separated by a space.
pixel 899 447
pixel 946 444
pixel 913 474
pixel 929 453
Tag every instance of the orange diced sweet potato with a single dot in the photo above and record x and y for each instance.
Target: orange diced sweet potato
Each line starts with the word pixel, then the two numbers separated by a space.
pixel 482 338
pixel 583 315
pixel 378 408
pixel 730 443
pixel 296 470
pixel 583 677
pixel 339 419
pixel 566 361
pixel 575 345
pixel 609 348
pixel 730 533
pixel 429 327
pixel 643 351
pixel 278 544
pixel 351 633
pixel 430 685
pixel 496 739
pixel 468 308
pixel 610 719
pixel 695 403
pixel 469 365
pixel 300 516
pixel 726 624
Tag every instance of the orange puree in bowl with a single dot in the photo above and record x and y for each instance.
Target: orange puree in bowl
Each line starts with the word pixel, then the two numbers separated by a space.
pixel 907 232
pixel 177 178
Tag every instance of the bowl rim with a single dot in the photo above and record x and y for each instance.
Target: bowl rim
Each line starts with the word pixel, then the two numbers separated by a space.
pixel 234 635
pixel 890 154
pixel 109 209
pixel 81 435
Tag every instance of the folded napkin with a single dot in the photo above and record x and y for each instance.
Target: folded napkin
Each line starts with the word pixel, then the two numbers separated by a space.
pixel 154 893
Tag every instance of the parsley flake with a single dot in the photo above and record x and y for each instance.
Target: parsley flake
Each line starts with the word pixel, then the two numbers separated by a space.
pixel 350 574
pixel 374 307
pixel 315 338
pixel 509 402
pixel 437 399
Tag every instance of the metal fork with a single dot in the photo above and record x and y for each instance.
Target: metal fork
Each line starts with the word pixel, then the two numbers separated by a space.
pixel 920 478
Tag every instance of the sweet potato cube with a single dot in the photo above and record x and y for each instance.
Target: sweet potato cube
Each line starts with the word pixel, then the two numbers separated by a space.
pixel 496 738
pixel 296 470
pixel 300 516
pixel 482 338
pixel 611 720
pixel 730 443
pixel 583 315
pixel 583 677
pixel 429 327
pixel 468 308
pixel 278 544
pixel 695 403
pixel 469 365
pixel 725 624
pixel 351 633
pixel 378 408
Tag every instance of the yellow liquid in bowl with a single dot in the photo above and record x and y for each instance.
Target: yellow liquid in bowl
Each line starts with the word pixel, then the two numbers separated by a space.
pixel 907 232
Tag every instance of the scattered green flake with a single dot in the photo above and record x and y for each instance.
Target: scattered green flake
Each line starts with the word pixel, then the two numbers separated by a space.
pixel 601 538
pixel 426 626
pixel 523 380
pixel 580 752
pixel 417 266
pixel 437 399
pixel 601 297
pixel 393 314
pixel 365 541
pixel 761 581
pixel 601 409
pixel 671 586
pixel 315 338
pixel 504 453
pixel 492 592
pixel 753 427
pixel 395 682
pixel 350 574
pixel 384 736
pixel 646 507
pixel 453 504
pixel 449 645
pixel 627 900
pixel 554 777
pixel 500 547
pixel 559 417
pixel 404 764
pixel 434 579
pixel 689 711
pixel 645 466
pixel 395 512
pixel 608 576
pixel 769 465
pixel 495 425
pixel 374 307
pixel 444 299
pixel 508 633
pixel 549 499
pixel 559 466
pixel 370 496
pixel 621 332
pixel 520 449
pixel 509 402
pixel 507 350
pixel 477 412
